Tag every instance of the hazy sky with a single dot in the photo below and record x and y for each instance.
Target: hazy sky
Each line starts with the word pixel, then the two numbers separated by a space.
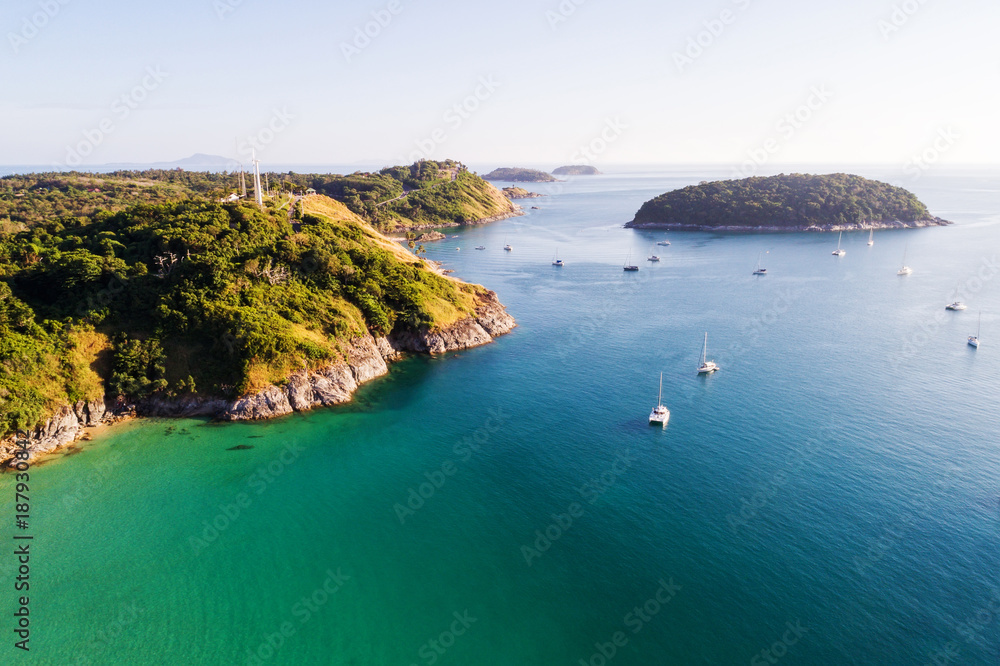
pixel 534 81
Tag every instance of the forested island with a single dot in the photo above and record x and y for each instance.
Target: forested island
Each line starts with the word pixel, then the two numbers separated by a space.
pixel 147 295
pixel 794 202
pixel 519 175
pixel 576 170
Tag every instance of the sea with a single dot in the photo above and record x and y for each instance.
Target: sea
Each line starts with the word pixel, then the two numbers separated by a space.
pixel 830 496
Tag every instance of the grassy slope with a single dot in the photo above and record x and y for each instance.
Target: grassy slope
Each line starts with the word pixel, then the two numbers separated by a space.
pixel 448 301
pixel 465 200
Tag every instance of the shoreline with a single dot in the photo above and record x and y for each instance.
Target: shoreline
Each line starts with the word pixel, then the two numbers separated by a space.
pixel 812 228
pixel 451 225
pixel 367 358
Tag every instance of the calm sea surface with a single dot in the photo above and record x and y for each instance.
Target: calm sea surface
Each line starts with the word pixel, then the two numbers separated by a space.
pixel 830 496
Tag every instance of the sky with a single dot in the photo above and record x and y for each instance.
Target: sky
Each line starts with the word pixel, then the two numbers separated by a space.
pixel 519 83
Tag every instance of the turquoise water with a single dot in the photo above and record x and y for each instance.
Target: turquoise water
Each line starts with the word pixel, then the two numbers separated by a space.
pixel 840 474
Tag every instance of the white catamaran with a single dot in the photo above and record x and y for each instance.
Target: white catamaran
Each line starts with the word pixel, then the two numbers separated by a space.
pixel 905 270
pixel 839 252
pixel 707 367
pixel 660 414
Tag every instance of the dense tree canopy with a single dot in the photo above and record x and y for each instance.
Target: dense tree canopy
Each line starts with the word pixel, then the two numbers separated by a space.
pixel 422 194
pixel 175 297
pixel 786 201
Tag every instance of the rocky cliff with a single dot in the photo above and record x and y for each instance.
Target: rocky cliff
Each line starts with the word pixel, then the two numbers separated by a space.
pixel 365 359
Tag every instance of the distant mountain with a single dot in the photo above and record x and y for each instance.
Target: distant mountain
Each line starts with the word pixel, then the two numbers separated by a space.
pixel 196 160
pixel 577 170
pixel 519 175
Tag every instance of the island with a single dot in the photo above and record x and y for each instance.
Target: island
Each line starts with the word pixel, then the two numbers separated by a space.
pixel 144 294
pixel 519 175
pixel 576 170
pixel 520 193
pixel 793 202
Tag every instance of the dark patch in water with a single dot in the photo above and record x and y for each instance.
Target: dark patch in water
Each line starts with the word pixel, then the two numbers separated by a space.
pixel 240 447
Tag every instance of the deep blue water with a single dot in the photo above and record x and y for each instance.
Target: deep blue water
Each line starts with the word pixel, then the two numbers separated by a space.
pixel 840 473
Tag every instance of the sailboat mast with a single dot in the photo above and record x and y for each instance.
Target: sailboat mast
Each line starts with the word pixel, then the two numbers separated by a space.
pixel 659 397
pixel 704 351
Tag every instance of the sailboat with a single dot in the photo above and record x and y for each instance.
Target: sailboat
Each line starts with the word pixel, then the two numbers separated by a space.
pixel 506 246
pixel 660 414
pixel 652 257
pixel 905 270
pixel 974 339
pixel 628 266
pixel 839 252
pixel 871 236
pixel 759 270
pixel 707 367
pixel 556 261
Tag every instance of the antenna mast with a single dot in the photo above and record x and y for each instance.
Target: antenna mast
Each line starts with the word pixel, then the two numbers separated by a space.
pixel 258 193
